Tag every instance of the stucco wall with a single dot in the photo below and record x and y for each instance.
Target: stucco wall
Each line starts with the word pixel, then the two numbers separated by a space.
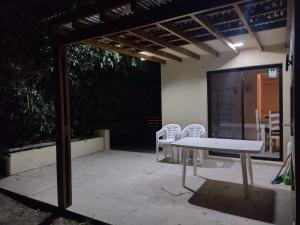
pixel 184 85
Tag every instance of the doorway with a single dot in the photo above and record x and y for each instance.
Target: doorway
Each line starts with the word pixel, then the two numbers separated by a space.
pixel 246 103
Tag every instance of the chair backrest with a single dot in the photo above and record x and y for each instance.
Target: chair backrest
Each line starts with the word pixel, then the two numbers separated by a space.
pixel 257 118
pixel 194 130
pixel 172 130
pixel 274 121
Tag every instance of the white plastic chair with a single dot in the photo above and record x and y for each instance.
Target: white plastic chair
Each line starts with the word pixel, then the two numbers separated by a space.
pixel 260 129
pixel 169 132
pixel 274 130
pixel 193 130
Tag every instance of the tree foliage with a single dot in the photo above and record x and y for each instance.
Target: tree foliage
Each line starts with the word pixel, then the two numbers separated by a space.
pixel 103 85
pixel 97 78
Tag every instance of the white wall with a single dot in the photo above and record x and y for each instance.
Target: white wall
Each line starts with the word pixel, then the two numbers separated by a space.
pixel 31 159
pixel 184 85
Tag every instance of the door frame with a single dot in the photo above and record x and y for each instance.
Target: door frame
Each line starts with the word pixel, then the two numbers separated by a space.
pixel 241 69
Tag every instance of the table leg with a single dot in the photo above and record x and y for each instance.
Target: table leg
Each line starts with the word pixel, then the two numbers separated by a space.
pixel 195 162
pixel 184 152
pixel 244 172
pixel 249 164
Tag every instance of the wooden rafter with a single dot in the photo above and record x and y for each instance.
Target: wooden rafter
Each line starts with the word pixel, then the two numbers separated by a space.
pixel 211 29
pixel 158 41
pixel 135 21
pixel 289 22
pixel 144 48
pixel 179 33
pixel 88 11
pixel 242 17
pixel 111 47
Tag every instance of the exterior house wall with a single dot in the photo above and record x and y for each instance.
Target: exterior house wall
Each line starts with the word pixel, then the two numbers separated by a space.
pixel 184 85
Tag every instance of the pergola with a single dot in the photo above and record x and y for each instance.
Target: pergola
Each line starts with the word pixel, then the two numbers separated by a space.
pixel 155 30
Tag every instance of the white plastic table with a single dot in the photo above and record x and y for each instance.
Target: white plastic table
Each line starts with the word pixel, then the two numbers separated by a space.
pixel 243 147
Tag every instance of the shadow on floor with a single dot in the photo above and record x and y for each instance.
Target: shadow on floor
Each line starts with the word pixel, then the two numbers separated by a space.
pixel 228 198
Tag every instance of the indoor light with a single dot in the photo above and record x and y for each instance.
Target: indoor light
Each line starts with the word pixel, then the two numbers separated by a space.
pixel 143 59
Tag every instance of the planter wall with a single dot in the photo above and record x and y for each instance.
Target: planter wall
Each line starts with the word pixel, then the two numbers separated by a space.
pixel 16 162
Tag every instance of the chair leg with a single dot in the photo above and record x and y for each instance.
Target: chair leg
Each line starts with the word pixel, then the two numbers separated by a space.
pixel 263 138
pixel 165 150
pixel 201 157
pixel 178 155
pixel 270 143
pixel 157 149
pixel 175 157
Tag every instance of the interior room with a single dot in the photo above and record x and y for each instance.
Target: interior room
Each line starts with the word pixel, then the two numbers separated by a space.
pixel 223 70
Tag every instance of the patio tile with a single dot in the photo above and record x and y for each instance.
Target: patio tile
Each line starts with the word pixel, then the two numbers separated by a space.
pixel 131 188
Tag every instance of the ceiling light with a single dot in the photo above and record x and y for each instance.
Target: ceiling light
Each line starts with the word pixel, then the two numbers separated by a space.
pixel 146 53
pixel 239 44
pixel 143 59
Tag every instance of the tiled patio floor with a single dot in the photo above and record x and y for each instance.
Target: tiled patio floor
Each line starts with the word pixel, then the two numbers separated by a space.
pixel 130 188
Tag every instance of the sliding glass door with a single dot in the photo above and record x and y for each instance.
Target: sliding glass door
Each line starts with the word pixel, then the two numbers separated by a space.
pixel 245 104
pixel 226 108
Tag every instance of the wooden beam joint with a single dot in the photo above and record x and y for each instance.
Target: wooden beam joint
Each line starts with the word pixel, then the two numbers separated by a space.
pixel 181 34
pixel 246 24
pixel 200 19
pixel 111 47
pixel 158 41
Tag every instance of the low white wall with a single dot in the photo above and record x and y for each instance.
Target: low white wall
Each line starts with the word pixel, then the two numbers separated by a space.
pixel 26 160
pixel 184 85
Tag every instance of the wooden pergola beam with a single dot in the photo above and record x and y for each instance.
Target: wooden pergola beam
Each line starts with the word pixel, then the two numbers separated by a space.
pixel 111 47
pixel 178 9
pixel 211 29
pixel 133 44
pixel 181 34
pixel 288 23
pixel 158 41
pixel 242 17
pixel 98 7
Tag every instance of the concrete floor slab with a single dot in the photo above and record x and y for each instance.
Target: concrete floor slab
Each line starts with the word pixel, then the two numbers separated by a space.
pixel 131 188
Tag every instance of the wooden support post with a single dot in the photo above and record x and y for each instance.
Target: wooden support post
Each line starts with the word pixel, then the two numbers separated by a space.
pixel 63 128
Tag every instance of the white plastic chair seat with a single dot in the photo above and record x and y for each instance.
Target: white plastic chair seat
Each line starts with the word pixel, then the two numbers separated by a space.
pixel 193 130
pixel 169 134
pixel 166 141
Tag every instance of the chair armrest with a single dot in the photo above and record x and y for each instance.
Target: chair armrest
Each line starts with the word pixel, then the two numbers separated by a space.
pixel 160 133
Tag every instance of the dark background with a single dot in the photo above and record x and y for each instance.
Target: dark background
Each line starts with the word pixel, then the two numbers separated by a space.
pixel 107 90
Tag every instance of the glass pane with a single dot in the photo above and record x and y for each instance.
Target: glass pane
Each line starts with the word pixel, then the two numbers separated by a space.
pixel 262 110
pixel 226 107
